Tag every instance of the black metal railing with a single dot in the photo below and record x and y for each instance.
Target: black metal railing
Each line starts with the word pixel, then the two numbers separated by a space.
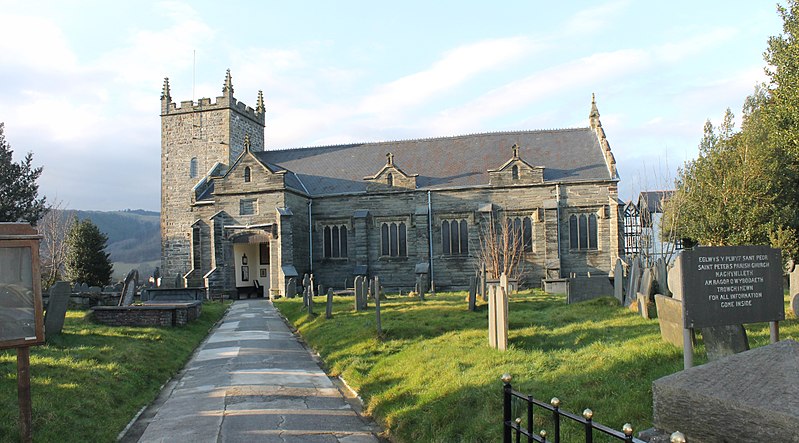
pixel 513 427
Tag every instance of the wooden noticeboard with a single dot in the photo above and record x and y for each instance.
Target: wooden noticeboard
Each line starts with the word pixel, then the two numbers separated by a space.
pixel 21 312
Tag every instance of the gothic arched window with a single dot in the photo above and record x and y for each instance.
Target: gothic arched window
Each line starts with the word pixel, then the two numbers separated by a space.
pixel 193 167
pixel 247 173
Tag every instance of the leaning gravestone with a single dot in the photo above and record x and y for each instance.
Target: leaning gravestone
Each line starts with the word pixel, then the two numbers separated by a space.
pixel 129 289
pixel 751 396
pixel 56 308
pixel 634 282
pixel 675 278
pixel 618 280
pixel 670 319
pixel 647 282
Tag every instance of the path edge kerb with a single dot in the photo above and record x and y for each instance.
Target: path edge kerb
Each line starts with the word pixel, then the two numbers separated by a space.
pixel 351 396
pixel 139 423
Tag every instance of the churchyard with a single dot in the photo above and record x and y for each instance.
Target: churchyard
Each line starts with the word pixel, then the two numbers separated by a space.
pixel 431 375
pixel 90 380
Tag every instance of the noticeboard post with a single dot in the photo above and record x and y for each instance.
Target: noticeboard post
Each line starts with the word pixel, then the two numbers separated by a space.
pixel 731 285
pixel 21 313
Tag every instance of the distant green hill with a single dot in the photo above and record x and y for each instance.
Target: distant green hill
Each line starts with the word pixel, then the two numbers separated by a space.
pixel 134 238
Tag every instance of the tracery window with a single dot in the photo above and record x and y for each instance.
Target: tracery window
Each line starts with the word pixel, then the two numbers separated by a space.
pixel 521 228
pixel 632 229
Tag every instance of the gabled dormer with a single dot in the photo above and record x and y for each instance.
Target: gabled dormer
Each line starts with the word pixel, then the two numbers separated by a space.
pixel 516 171
pixel 249 174
pixel 390 178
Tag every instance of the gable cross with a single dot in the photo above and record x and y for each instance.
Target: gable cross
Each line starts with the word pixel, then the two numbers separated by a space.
pixel 390 158
pixel 515 150
pixel 247 142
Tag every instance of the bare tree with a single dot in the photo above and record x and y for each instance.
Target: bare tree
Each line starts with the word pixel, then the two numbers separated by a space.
pixel 502 247
pixel 53 248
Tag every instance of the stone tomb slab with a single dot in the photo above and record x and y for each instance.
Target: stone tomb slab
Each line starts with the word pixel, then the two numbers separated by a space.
pixel 751 396
pixel 670 319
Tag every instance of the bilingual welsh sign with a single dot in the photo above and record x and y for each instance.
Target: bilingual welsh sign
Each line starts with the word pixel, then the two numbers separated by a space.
pixel 732 285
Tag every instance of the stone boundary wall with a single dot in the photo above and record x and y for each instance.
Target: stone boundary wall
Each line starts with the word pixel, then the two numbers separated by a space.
pixel 177 314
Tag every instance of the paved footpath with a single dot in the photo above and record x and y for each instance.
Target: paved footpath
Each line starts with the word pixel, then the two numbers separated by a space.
pixel 252 381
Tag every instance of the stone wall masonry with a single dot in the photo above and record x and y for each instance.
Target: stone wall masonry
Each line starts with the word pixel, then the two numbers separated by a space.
pixel 148 315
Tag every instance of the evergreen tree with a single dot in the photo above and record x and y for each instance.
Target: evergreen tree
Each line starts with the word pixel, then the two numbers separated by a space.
pixel 743 188
pixel 18 187
pixel 87 262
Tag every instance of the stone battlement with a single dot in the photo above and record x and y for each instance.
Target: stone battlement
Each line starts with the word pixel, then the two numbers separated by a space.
pixel 222 102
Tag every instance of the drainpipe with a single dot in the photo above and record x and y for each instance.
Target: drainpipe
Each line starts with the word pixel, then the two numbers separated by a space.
pixel 310 237
pixel 557 230
pixel 430 237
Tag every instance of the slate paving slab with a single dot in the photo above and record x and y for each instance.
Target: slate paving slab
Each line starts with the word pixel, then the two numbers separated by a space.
pixel 252 381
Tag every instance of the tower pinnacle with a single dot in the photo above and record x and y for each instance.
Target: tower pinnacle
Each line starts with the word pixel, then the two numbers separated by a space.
pixel 259 106
pixel 165 94
pixel 227 89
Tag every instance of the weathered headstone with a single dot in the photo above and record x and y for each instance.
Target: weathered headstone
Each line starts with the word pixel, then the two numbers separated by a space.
pixel 670 319
pixel 618 281
pixel 635 280
pixel 329 307
pixel 56 308
pixel 291 288
pixel 421 286
pixel 378 324
pixel 723 341
pixel 309 299
pixel 647 282
pixel 311 286
pixel 644 305
pixel 675 278
pixel 661 276
pixel 795 305
pixel 359 293
pixel 306 281
pixel 751 396
pixel 83 288
pixel 95 290
pixel 129 289
pixel 472 294
pixel 320 289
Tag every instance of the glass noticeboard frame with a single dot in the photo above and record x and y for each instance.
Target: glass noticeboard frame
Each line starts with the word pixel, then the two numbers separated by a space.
pixel 21 312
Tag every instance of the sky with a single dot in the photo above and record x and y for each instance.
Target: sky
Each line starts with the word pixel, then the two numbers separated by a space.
pixel 80 81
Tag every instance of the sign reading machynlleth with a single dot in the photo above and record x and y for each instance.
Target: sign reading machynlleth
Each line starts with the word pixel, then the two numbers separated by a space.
pixel 732 285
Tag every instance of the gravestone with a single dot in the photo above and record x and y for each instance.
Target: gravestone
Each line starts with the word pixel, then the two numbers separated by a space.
pixel 723 341
pixel 751 396
pixel 421 286
pixel 320 289
pixel 378 324
pixel 311 287
pixel 306 281
pixel 618 281
pixel 329 307
pixel 309 299
pixel 795 305
pixel 109 288
pixel 483 281
pixel 291 288
pixel 360 293
pixel 661 276
pixel 95 290
pixel 670 319
pixel 129 289
pixel 56 308
pixel 675 278
pixel 644 305
pixel 647 282
pixel 83 287
pixel 634 282
pixel 472 293
pixel 497 318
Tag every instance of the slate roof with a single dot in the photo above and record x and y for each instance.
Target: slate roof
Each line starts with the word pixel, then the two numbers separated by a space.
pixel 652 201
pixel 566 154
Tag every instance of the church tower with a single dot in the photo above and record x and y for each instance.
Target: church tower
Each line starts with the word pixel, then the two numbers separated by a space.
pixel 198 140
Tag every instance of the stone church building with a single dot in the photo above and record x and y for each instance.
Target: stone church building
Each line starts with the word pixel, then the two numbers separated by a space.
pixel 234 215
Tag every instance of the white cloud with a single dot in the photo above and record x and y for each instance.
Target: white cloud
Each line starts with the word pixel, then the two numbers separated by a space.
pixel 34 43
pixel 694 45
pixel 593 19
pixel 453 69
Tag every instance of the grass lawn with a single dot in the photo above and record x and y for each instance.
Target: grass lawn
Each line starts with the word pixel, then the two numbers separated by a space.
pixel 433 378
pixel 87 383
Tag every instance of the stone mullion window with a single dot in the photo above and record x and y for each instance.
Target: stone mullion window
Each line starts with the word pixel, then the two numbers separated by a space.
pixel 393 239
pixel 334 239
pixel 583 232
pixel 523 228
pixel 454 237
